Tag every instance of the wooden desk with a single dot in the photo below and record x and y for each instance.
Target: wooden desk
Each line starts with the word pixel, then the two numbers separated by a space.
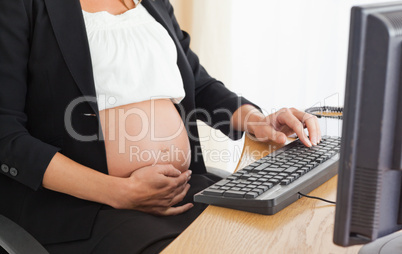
pixel 305 226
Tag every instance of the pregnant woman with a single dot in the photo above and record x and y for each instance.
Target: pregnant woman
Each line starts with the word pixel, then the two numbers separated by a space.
pixel 98 138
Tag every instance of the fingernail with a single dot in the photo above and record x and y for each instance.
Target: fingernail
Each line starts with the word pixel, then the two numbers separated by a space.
pixel 309 143
pixel 314 140
pixel 189 173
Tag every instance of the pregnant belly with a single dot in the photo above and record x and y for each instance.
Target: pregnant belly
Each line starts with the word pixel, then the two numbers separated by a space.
pixel 143 134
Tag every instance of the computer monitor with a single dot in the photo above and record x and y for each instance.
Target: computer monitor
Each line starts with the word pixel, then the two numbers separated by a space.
pixel 370 173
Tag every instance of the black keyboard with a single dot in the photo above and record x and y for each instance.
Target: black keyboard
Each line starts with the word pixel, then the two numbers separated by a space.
pixel 273 182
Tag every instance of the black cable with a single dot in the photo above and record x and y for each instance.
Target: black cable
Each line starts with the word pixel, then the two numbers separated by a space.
pixel 325 200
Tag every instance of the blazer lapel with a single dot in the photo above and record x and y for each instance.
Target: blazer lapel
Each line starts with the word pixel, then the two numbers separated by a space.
pixel 162 17
pixel 69 28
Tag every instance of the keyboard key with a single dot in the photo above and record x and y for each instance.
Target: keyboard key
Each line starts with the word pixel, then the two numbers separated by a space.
pixel 305 169
pixel 222 182
pixel 269 185
pixel 263 188
pixel 246 189
pixel 214 187
pixel 237 174
pixel 234 194
pixel 248 168
pixel 289 164
pixel 291 169
pixel 295 175
pixel 285 182
pixel 274 181
pixel 235 188
pixel 259 191
pixel 262 166
pixel 270 169
pixel 251 195
pixel 290 178
pixel 245 176
pixel 213 192
pixel 301 172
pixel 309 166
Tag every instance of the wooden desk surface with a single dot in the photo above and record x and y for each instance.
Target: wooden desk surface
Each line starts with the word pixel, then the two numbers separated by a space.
pixel 305 226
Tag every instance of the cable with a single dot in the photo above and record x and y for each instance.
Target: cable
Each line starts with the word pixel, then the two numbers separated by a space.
pixel 325 200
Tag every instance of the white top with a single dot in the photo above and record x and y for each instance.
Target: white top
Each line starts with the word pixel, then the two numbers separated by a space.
pixel 133 57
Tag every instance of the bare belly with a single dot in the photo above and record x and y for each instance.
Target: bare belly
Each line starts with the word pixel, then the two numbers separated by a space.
pixel 143 134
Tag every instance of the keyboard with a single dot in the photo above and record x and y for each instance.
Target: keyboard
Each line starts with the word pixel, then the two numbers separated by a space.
pixel 273 182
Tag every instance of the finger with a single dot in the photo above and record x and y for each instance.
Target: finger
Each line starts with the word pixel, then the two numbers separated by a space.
pixel 182 179
pixel 177 210
pixel 276 136
pixel 289 119
pixel 169 197
pixel 319 131
pixel 177 192
pixel 178 198
pixel 175 197
pixel 269 133
pixel 312 125
pixel 169 170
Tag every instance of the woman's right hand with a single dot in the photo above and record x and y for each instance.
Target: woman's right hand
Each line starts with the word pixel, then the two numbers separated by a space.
pixel 155 189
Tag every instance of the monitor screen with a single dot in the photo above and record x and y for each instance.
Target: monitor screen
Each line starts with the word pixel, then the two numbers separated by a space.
pixel 369 179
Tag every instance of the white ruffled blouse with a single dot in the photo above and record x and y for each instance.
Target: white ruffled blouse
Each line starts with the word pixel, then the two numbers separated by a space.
pixel 133 57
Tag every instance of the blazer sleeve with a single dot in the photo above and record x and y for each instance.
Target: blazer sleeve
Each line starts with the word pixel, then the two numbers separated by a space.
pixel 22 157
pixel 210 94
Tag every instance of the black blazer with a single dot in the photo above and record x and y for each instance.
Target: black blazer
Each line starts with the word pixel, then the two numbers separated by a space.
pixel 45 64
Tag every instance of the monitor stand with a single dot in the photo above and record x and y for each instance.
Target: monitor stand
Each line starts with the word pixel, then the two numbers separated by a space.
pixel 390 244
